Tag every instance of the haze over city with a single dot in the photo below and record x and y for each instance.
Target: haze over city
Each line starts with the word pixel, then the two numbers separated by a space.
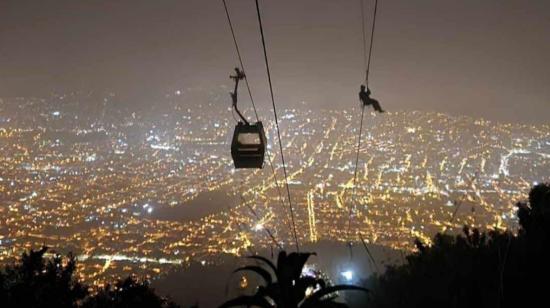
pixel 484 59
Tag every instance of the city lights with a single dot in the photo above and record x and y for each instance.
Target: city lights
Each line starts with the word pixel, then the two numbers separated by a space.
pixel 120 193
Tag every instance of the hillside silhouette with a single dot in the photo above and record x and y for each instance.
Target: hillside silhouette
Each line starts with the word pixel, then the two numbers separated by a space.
pixel 38 281
pixel 475 269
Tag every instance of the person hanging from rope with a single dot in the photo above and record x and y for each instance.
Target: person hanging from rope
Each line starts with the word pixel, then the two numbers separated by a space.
pixel 366 100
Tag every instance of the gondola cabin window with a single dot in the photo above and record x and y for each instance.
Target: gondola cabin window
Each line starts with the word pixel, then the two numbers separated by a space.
pixel 249 139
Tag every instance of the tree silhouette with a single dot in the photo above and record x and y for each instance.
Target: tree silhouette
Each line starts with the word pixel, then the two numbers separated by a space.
pixel 534 217
pixel 35 282
pixel 38 282
pixel 128 293
pixel 289 288
pixel 475 269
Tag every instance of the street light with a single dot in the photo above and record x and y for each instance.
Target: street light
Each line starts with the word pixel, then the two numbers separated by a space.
pixel 348 275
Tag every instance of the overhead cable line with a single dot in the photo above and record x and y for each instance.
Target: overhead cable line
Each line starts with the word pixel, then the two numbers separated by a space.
pixel 239 56
pixel 241 230
pixel 354 194
pixel 367 69
pixel 277 124
pixel 364 38
pixel 280 194
pixel 371 39
pixel 268 232
pixel 458 203
pixel 369 254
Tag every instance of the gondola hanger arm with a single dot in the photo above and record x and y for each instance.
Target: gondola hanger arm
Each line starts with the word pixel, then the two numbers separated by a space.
pixel 239 75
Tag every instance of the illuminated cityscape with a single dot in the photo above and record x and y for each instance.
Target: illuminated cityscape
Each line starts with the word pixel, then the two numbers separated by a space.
pixel 145 190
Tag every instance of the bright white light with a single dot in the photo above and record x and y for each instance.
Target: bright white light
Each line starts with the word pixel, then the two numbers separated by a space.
pixel 258 227
pixel 91 158
pixel 163 146
pixel 348 275
pixel 150 210
pixel 309 271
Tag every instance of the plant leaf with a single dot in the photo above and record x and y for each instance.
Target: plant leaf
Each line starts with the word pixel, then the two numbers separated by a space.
pixel 290 266
pixel 299 289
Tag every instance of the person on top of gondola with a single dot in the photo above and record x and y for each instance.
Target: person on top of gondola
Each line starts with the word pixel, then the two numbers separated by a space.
pixel 239 76
pixel 366 100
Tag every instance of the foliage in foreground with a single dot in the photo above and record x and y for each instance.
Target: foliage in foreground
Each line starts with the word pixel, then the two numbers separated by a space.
pixel 38 282
pixel 290 288
pixel 493 269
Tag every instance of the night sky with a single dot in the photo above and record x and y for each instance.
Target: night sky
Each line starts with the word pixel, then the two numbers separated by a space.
pixel 483 58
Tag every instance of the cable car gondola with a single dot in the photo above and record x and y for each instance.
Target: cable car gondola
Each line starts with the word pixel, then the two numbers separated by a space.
pixel 248 145
pixel 249 141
